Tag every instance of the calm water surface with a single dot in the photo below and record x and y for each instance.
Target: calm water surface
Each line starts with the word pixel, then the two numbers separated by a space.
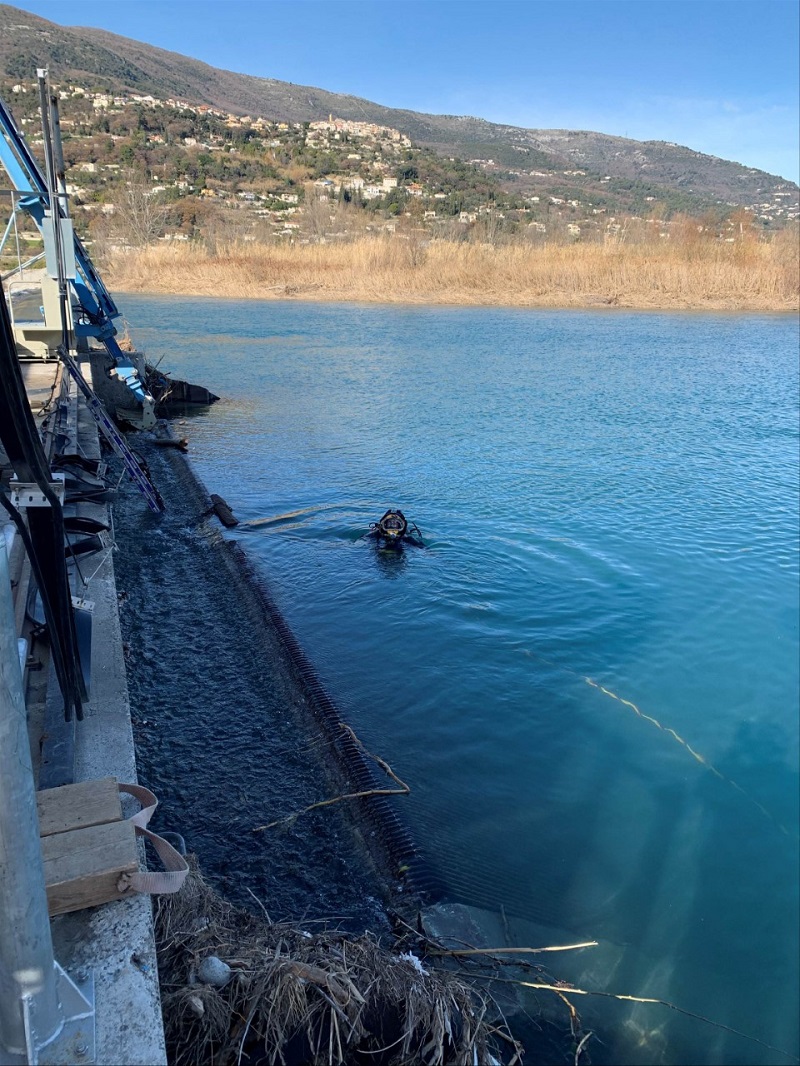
pixel 590 677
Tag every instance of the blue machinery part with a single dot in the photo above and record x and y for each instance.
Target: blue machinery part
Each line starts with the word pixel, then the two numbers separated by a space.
pixel 96 306
pixel 67 262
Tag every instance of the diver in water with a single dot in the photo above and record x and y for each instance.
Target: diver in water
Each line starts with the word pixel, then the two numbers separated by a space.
pixel 393 531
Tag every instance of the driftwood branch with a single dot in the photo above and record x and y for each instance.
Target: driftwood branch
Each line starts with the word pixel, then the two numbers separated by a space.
pixel 512 951
pixel 402 790
pixel 563 987
pixel 579 1049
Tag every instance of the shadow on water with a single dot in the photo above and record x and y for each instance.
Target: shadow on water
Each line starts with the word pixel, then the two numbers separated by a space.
pixel 389 562
pixel 179 413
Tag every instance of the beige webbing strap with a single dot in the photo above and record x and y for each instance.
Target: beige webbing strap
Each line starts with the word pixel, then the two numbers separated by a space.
pixel 175 866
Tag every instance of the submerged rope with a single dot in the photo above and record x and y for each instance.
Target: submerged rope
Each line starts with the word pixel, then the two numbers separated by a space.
pixel 695 754
pixel 669 731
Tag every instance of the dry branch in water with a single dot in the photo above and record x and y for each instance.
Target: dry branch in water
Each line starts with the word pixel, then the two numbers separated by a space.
pixel 403 790
pixel 513 951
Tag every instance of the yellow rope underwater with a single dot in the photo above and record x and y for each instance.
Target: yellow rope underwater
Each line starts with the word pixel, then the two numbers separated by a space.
pixel 695 754
pixel 561 988
pixel 670 732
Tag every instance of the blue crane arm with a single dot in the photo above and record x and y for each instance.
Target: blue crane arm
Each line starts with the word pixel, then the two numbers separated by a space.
pixel 27 178
pixel 95 300
pixel 16 157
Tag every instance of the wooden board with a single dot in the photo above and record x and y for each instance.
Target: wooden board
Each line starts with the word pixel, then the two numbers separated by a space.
pixel 82 866
pixel 78 806
pixel 86 844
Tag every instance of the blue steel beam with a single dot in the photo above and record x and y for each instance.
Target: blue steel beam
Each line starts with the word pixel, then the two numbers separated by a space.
pixel 16 157
pixel 27 178
pixel 94 298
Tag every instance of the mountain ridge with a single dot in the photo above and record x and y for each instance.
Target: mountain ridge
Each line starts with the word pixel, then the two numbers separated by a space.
pixel 517 154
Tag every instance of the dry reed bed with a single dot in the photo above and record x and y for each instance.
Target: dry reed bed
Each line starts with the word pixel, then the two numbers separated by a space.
pixel 747 275
pixel 320 999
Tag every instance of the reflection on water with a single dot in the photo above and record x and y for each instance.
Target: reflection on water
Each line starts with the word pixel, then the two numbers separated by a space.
pixel 608 499
pixel 390 563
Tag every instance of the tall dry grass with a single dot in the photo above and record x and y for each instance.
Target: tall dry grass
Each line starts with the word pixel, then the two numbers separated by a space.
pixel 683 271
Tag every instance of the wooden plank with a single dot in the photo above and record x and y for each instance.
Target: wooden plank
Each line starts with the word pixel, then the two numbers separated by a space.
pixel 78 806
pixel 82 867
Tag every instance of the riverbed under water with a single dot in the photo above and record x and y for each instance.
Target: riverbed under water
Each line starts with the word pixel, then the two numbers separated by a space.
pixel 589 676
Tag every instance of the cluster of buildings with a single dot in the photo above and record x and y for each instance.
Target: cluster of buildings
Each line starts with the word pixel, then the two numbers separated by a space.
pixel 779 206
pixel 375 147
pixel 102 101
pixel 367 157
pixel 337 129
pixel 783 206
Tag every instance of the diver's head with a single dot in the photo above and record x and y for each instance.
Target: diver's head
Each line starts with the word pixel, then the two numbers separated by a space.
pixel 393 525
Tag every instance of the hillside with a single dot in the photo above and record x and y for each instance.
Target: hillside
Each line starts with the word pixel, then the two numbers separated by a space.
pixel 616 173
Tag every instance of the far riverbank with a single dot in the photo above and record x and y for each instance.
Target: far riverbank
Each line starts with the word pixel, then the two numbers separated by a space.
pixel 688 274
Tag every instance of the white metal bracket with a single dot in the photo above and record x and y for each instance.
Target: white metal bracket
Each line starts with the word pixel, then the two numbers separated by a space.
pixel 25 494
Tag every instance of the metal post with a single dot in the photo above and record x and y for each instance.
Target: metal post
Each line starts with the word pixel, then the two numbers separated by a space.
pixel 30 1012
pixel 58 156
pixel 10 225
pixel 55 211
pixel 44 107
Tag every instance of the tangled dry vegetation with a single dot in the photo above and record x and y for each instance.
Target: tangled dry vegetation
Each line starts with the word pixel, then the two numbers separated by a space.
pixel 312 998
pixel 689 270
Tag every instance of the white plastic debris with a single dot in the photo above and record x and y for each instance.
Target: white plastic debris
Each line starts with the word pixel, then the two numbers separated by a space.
pixel 410 957
pixel 196 1005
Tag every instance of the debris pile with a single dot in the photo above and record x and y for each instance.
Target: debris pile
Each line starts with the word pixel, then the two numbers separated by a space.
pixel 238 988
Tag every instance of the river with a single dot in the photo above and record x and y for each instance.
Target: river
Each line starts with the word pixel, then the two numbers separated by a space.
pixel 589 675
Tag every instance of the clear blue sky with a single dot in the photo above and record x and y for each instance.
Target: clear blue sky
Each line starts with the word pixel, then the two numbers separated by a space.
pixel 720 76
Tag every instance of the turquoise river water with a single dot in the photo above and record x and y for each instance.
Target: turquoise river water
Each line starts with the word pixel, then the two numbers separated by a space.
pixel 589 677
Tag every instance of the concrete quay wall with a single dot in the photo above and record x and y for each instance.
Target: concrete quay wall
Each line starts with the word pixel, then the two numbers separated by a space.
pixel 113 945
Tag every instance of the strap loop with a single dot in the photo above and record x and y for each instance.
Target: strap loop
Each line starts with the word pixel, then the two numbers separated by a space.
pixel 175 865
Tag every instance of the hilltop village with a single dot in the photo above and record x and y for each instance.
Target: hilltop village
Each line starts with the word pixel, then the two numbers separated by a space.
pixel 141 169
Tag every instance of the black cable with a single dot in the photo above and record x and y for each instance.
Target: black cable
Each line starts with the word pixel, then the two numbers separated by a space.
pixel 45 535
pixel 49 610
